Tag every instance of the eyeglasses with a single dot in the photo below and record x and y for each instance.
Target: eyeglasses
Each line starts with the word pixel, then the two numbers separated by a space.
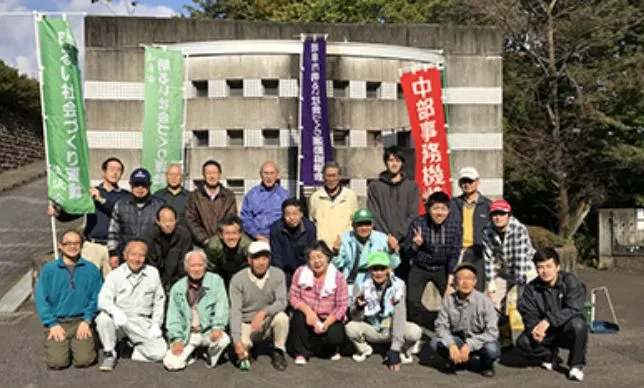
pixel 71 244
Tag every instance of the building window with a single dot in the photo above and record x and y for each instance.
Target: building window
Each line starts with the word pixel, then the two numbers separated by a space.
pixel 236 185
pixel 399 92
pixel 271 137
pixel 271 87
pixel 403 139
pixel 200 138
pixel 235 137
pixel 235 87
pixel 201 88
pixel 374 138
pixel 340 89
pixel 373 90
pixel 346 182
pixel 340 138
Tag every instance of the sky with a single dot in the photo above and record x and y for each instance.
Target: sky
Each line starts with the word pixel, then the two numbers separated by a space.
pixel 17 42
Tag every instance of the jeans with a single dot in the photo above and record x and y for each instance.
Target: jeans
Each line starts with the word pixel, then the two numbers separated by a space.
pixel 488 354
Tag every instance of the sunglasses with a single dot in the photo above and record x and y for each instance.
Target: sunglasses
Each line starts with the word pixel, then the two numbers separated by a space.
pixel 465 181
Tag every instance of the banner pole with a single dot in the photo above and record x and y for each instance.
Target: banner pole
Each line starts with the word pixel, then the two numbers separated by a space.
pixel 186 72
pixel 299 123
pixel 37 16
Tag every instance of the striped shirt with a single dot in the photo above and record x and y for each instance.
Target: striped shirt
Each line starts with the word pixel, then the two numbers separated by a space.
pixel 335 304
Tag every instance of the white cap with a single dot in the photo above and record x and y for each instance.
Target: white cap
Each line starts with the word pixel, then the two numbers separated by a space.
pixel 258 246
pixel 469 173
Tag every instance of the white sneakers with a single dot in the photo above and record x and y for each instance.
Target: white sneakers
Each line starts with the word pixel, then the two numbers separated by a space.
pixel 406 358
pixel 360 357
pixel 576 374
pixel 549 365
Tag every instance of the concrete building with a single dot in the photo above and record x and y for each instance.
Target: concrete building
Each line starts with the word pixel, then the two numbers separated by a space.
pixel 243 93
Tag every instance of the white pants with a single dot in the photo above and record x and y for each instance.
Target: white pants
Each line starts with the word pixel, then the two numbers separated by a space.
pixel 97 254
pixel 196 340
pixel 360 333
pixel 136 330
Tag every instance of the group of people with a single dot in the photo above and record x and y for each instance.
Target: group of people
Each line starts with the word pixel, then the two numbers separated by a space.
pixel 177 271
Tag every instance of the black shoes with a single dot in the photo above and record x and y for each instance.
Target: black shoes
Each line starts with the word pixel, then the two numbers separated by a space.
pixel 278 360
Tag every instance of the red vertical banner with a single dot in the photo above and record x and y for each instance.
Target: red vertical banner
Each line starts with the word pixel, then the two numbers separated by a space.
pixel 423 96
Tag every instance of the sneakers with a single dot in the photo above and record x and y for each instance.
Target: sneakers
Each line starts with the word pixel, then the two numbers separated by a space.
pixel 278 360
pixel 488 372
pixel 300 360
pixel 550 365
pixel 576 374
pixel 360 357
pixel 109 362
pixel 244 365
pixel 406 358
pixel 336 357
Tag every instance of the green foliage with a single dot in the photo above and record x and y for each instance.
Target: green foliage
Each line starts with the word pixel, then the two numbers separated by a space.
pixel 19 93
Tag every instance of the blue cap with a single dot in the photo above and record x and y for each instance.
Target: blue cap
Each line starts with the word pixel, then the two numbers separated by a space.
pixel 140 176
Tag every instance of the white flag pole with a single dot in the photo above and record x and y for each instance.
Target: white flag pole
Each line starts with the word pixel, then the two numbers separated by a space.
pixel 299 185
pixel 37 18
pixel 186 72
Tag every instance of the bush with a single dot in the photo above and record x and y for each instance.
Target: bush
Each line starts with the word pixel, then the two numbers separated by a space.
pixel 542 237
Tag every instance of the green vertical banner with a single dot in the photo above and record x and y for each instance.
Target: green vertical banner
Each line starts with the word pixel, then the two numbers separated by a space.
pixel 163 117
pixel 64 118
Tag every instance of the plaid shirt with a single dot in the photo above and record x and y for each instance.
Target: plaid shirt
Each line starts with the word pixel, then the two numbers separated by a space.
pixel 335 304
pixel 442 243
pixel 513 254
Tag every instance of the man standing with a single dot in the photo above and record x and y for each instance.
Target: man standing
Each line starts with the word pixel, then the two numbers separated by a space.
pixel 208 204
pixel 197 315
pixel 508 254
pixel 393 200
pixel 290 235
pixel 132 215
pixel 258 300
pixel 131 303
pixel 66 295
pixel 174 194
pixel 433 243
pixel 355 247
pixel 552 308
pixel 332 206
pixel 467 325
pixel 474 209
pixel 263 203
pixel 105 196
pixel 168 242
pixel 227 250
pixel 379 315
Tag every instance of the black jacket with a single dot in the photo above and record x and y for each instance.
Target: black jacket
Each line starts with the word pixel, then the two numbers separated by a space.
pixel 394 205
pixel 557 305
pixel 167 252
pixel 287 249
pixel 129 222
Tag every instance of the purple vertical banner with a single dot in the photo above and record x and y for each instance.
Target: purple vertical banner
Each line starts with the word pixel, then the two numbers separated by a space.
pixel 315 136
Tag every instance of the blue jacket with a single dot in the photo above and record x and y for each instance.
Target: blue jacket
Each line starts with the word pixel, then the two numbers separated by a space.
pixel 98 223
pixel 287 250
pixel 351 251
pixel 481 215
pixel 262 207
pixel 59 295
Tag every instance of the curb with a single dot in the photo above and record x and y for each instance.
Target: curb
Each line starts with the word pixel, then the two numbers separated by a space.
pixel 22 181
pixel 18 294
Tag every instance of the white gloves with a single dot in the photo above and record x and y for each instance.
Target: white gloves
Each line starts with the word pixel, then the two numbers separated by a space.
pixel 155 331
pixel 119 317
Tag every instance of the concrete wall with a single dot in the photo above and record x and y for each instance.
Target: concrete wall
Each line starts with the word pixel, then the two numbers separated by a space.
pixel 621 241
pixel 114 70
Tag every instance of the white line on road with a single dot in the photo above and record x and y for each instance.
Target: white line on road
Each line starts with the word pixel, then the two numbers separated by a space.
pixel 24 230
pixel 13 299
pixel 24 245
pixel 34 201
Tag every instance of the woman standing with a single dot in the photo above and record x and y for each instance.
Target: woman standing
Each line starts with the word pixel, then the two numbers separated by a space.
pixel 319 297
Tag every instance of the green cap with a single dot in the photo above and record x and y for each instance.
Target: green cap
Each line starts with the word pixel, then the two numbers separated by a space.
pixel 362 215
pixel 376 259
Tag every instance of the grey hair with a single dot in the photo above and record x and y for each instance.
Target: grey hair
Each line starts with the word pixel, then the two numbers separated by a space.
pixel 198 252
pixel 332 164
pixel 261 168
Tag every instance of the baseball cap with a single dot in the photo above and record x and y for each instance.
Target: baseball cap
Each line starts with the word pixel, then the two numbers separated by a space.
pixel 362 215
pixel 376 259
pixel 258 246
pixel 468 173
pixel 466 265
pixel 140 176
pixel 500 205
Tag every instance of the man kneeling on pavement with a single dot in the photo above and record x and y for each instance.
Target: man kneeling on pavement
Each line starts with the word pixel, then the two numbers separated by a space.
pixel 552 308
pixel 197 314
pixel 131 304
pixel 258 299
pixel 379 314
pixel 467 325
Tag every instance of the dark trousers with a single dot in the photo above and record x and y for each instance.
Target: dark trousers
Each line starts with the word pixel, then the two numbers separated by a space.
pixel 490 352
pixel 418 279
pixel 305 342
pixel 573 335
